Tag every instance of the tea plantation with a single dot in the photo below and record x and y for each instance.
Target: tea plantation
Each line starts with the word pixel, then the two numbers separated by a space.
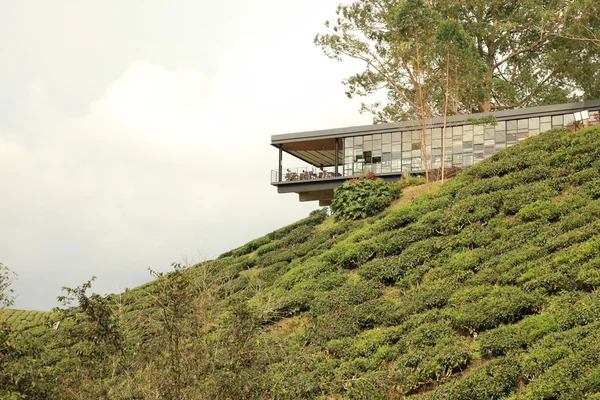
pixel 483 288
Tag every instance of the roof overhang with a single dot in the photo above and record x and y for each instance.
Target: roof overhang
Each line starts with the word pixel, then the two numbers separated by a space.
pixel 318 152
pixel 520 113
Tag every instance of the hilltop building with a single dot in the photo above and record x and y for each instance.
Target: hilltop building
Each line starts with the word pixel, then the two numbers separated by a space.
pixel 333 156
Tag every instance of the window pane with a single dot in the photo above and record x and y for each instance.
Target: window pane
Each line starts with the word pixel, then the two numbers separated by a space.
pixel 557 121
pixel 569 119
pixel 523 124
pixel 457 132
pixel 511 138
pixel 367 156
pixel 545 126
pixel 534 123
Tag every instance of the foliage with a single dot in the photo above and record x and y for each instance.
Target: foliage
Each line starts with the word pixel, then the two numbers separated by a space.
pixel 487 120
pixel 6 292
pixel 484 288
pixel 363 197
pixel 484 55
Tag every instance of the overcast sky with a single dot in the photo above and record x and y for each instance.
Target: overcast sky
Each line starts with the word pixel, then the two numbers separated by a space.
pixel 136 133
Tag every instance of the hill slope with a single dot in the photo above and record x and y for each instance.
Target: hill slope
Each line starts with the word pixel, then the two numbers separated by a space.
pixel 485 287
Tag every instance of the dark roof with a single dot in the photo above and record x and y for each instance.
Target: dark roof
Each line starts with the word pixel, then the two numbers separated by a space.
pixel 434 123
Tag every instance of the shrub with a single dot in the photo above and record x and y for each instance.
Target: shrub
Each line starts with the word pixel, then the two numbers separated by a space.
pixel 434 295
pixel 351 255
pixel 351 293
pixel 391 269
pixel 396 242
pixel 572 310
pixel 363 197
pixel 410 181
pixel 541 209
pixel 499 341
pixel 516 198
pixel 297 236
pixel 470 210
pixel 493 380
pixel 505 304
pixel 273 257
pixel 566 374
pixel 445 360
pixel 591 188
pixel 398 218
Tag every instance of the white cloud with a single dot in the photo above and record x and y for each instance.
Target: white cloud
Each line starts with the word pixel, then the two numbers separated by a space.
pixel 166 163
pixel 110 164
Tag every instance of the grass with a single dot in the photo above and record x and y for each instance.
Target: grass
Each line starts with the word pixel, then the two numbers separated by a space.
pixel 412 192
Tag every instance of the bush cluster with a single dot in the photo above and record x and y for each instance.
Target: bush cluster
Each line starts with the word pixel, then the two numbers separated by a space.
pixel 363 197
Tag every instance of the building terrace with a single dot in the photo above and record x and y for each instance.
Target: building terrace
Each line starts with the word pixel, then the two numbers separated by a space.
pixel 333 156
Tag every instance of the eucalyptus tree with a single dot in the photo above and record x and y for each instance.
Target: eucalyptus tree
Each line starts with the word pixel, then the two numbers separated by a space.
pixel 458 61
pixel 395 40
pixel 527 53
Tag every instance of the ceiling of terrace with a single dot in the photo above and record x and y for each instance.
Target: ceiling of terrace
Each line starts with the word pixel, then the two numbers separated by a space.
pixel 316 152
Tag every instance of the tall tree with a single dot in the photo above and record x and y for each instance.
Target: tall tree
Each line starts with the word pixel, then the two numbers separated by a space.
pixel 394 40
pixel 458 60
pixel 525 54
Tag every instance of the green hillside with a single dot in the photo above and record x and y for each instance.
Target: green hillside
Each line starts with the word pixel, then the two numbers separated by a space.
pixel 22 319
pixel 484 287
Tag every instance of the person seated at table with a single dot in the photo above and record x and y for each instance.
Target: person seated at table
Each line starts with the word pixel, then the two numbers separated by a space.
pixel 288 175
pixel 312 174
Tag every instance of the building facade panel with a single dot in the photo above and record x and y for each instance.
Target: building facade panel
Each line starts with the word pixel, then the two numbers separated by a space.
pixel 402 151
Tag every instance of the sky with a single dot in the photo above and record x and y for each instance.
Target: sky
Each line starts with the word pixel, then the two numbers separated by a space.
pixel 136 134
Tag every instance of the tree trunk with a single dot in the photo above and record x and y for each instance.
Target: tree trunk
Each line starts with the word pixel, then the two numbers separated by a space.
pixel 422 107
pixel 445 117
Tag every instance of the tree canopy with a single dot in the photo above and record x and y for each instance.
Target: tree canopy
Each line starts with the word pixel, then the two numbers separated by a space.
pixel 503 53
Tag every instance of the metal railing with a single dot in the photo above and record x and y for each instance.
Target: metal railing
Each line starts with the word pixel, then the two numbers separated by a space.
pixel 303 173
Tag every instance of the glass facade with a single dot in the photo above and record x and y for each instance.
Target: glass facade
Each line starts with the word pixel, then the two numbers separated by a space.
pixel 461 146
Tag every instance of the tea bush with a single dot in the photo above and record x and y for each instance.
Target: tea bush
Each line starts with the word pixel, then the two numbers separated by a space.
pixel 483 288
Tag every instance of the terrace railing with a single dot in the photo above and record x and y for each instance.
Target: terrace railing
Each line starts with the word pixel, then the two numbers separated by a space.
pixel 303 173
